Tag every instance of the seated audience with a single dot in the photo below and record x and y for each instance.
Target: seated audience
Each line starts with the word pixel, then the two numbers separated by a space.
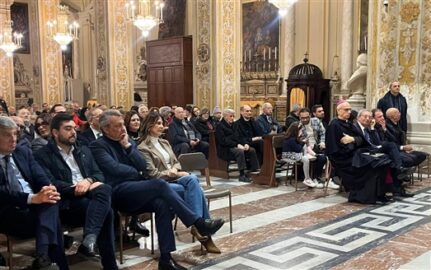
pixel 319 114
pixel 162 164
pixel 125 170
pixel 42 131
pixel 166 113
pixel 28 201
pixel 93 132
pixel 267 123
pixel 28 130
pixel 143 111
pixel 184 137
pixel 248 129
pixel 365 181
pixel 216 116
pixel 204 124
pixel 231 146
pixel 195 114
pixel 22 138
pixel 57 108
pixel 133 123
pixel 85 199
pixel 188 112
pixel 293 115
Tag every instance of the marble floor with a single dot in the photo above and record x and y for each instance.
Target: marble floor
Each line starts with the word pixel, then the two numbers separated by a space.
pixel 280 228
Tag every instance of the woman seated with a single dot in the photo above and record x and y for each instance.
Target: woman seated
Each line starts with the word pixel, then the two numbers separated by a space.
pixel 43 133
pixel 203 124
pixel 293 151
pixel 162 163
pixel 132 121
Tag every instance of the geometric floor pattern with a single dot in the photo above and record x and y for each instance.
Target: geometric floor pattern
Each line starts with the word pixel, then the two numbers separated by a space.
pixel 326 245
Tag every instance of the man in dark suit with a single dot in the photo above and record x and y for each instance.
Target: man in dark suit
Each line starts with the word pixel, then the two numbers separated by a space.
pixel 184 137
pixel 94 132
pixel 28 201
pixel 28 130
pixel 125 170
pixel 394 99
pixel 86 200
pixel 268 124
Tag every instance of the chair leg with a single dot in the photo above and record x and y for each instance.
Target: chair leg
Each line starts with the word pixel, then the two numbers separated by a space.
pixel 121 231
pixel 152 234
pixel 9 251
pixel 296 177
pixel 230 213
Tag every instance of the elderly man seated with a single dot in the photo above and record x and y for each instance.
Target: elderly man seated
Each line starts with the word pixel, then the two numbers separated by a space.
pixel 183 135
pixel 231 146
pixel 344 143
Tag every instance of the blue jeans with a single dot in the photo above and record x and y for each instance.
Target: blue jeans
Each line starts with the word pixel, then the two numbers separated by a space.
pixel 189 189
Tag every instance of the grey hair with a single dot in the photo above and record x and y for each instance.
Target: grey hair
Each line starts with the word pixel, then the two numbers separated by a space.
pixel 106 116
pixel 361 111
pixel 7 122
pixel 165 109
pixel 228 111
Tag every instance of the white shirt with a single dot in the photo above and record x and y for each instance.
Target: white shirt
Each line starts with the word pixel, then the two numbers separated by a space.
pixel 96 133
pixel 162 151
pixel 71 162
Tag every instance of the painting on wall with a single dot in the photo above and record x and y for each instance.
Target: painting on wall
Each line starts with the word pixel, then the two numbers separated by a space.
pixel 19 16
pixel 174 14
pixel 363 26
pixel 261 26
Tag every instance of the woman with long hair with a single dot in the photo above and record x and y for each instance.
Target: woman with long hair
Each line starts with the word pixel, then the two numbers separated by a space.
pixel 162 163
pixel 132 121
pixel 293 151
pixel 43 133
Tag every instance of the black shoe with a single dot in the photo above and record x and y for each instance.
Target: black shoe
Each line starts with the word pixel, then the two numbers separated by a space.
pixel 88 246
pixel 401 192
pixel 68 241
pixel 44 263
pixel 243 178
pixel 209 226
pixel 170 265
pixel 136 226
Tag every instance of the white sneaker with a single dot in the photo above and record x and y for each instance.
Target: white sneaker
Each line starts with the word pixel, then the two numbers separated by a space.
pixel 318 184
pixel 309 182
pixel 332 185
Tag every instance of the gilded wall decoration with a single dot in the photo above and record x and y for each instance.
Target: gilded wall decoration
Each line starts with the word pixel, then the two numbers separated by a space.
pixel 52 75
pixel 203 71
pixel 7 90
pixel 102 89
pixel 121 66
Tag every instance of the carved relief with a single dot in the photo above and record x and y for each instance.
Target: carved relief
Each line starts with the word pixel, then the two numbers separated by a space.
pixel 102 88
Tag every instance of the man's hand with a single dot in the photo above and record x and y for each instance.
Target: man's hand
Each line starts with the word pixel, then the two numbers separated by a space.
pixel 407 148
pixel 48 194
pixel 322 146
pixel 95 185
pixel 256 138
pixel 193 143
pixel 347 139
pixel 124 141
pixel 246 147
pixel 372 124
pixel 240 146
pixel 173 172
pixel 81 187
pixel 181 174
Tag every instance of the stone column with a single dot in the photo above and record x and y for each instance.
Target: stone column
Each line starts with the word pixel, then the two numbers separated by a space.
pixel 53 90
pixel 86 68
pixel 120 55
pixel 7 87
pixel 346 45
pixel 101 88
pixel 288 37
pixel 227 53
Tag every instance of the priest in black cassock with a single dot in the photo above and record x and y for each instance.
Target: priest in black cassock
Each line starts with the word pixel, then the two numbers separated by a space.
pixel 362 174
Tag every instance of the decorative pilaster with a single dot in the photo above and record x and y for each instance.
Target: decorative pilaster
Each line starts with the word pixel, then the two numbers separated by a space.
pixel 7 87
pixel 87 64
pixel 120 55
pixel 228 53
pixel 347 45
pixel 205 55
pixel 101 88
pixel 53 90
pixel 288 36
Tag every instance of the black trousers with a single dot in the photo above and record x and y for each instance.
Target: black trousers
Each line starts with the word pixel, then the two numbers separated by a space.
pixel 94 212
pixel 155 195
pixel 241 156
pixel 39 221
pixel 413 158
pixel 184 148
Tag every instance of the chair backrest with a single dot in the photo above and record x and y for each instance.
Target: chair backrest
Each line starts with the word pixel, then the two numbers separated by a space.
pixel 195 162
pixel 277 141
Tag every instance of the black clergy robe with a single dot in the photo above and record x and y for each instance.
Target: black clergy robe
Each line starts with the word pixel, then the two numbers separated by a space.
pixel 365 181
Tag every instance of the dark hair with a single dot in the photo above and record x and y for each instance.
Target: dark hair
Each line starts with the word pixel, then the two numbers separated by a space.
pixel 59 119
pixel 189 108
pixel 46 120
pixel 315 107
pixel 373 112
pixel 353 116
pixel 134 108
pixel 293 130
pixel 128 117
pixel 193 111
pixel 148 124
pixel 304 110
pixel 52 110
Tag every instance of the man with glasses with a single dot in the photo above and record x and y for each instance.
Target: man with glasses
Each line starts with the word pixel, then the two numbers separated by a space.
pixel 343 142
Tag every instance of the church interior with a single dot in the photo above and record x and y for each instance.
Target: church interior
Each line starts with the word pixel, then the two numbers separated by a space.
pixel 227 54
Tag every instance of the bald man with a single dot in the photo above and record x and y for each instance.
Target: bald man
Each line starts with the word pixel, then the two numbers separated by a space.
pixel 343 142
pixel 394 99
pixel 268 124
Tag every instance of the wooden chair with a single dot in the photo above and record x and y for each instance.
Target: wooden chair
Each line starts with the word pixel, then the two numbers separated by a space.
pixel 123 229
pixel 9 244
pixel 198 162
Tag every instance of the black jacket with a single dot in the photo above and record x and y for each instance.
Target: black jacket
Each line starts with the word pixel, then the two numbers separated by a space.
pixel 395 133
pixel 247 129
pixel 86 137
pixel 201 125
pixel 176 134
pixel 290 119
pixel 58 171
pixel 226 138
pixel 399 102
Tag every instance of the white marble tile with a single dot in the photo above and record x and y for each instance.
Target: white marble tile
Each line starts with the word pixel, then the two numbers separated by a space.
pixel 418 263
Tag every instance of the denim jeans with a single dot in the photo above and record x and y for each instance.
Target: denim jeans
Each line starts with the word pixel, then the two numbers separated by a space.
pixel 189 189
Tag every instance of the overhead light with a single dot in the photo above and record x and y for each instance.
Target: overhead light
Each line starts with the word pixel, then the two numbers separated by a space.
pixel 61 30
pixel 144 15
pixel 9 42
pixel 282 5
